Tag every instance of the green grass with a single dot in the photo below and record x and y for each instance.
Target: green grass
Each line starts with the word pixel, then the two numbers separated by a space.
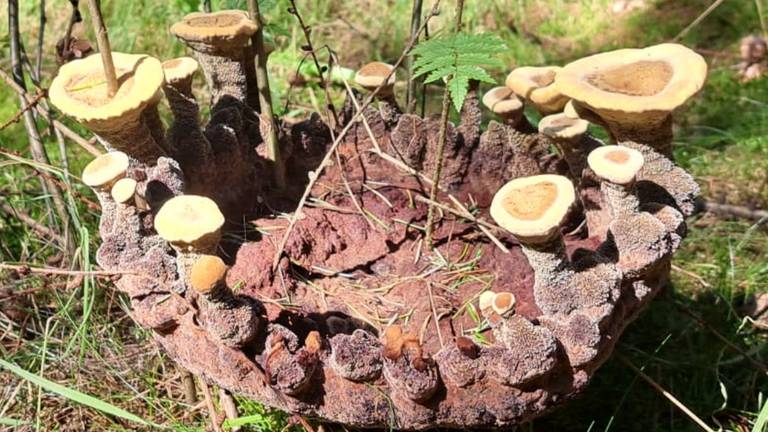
pixel 81 338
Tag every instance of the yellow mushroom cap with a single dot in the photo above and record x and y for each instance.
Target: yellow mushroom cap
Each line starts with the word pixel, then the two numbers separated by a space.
pixel 502 100
pixel 617 164
pixel 657 78
pixel 179 69
pixel 560 126
pixel 80 90
pixel 503 302
pixel 537 84
pixel 206 273
pixel 190 222
pixel 220 26
pixel 533 208
pixel 485 302
pixel 105 169
pixel 373 75
pixel 123 190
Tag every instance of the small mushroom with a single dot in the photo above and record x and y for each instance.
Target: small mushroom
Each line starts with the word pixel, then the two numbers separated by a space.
pixel 536 85
pixel 503 303
pixel 533 209
pixel 504 102
pixel 485 302
pixel 373 75
pixel 567 134
pixel 218 40
pixel 179 73
pixel 405 367
pixel 232 321
pixel 618 166
pixel 634 91
pixel 105 170
pixel 127 121
pixel 124 190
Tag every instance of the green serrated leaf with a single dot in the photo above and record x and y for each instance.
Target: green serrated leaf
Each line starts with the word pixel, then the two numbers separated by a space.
pixel 458 87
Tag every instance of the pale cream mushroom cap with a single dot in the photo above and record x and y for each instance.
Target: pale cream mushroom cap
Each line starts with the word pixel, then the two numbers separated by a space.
pixel 179 69
pixel 190 222
pixel 373 74
pixel 502 100
pixel 537 84
pixel 653 79
pixel 617 164
pixel 485 302
pixel 207 273
pixel 123 190
pixel 570 111
pixel 560 126
pixel 503 302
pixel 105 170
pixel 80 89
pixel 533 208
pixel 220 26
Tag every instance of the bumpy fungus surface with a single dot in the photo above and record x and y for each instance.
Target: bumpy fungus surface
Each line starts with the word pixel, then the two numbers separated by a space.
pixel 352 324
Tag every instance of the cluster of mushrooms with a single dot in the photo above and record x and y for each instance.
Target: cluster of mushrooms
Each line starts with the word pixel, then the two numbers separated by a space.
pixel 594 225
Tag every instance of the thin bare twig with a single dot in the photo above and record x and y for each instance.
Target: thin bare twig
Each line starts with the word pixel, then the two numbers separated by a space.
pixel 410 94
pixel 741 212
pixel 229 406
pixel 26 107
pixel 215 422
pixel 698 19
pixel 25 269
pixel 265 96
pixel 669 396
pixel 30 221
pixel 61 127
pixel 102 40
pixel 329 153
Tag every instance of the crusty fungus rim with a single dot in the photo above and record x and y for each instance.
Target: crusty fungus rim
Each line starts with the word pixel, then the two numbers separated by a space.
pixel 369 76
pixel 173 229
pixel 545 223
pixel 689 71
pixel 105 169
pixel 571 127
pixel 147 80
pixel 523 81
pixel 183 68
pixel 505 103
pixel 244 26
pixel 616 172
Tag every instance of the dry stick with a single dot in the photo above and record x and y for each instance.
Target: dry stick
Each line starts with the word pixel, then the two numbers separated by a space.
pixel 328 154
pixel 311 49
pixel 16 117
pixel 36 146
pixel 211 407
pixel 698 19
pixel 441 138
pixel 736 211
pixel 40 40
pixel 410 94
pixel 21 268
pixel 265 96
pixel 102 40
pixel 30 221
pixel 666 394
pixel 229 406
pixel 61 127
pixel 190 390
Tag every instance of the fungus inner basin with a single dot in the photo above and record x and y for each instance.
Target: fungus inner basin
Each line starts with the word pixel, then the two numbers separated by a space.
pixel 214 21
pixel 531 201
pixel 91 88
pixel 616 156
pixel 640 78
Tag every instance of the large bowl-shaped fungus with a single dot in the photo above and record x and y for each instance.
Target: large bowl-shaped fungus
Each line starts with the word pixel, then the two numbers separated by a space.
pixel 342 313
pixel 635 91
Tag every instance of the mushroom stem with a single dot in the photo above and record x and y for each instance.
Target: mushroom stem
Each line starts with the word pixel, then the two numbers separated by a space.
pixel 548 259
pixel 185 136
pixel 574 154
pixel 653 131
pixel 621 197
pixel 131 134
pixel 388 107
pixel 224 71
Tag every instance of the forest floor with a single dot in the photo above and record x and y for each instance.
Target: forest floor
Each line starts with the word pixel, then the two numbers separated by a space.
pixel 695 341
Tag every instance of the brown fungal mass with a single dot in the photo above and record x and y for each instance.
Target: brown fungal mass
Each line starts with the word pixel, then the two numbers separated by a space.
pixel 353 320
pixel 643 78
pixel 531 201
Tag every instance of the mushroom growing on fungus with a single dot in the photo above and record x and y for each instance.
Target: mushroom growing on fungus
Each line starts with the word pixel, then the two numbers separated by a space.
pixel 568 136
pixel 127 121
pixel 638 238
pixel 537 85
pixel 101 174
pixel 635 91
pixel 373 75
pixel 218 40
pixel 230 320
pixel 405 367
pixel 533 209
pixel 504 102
